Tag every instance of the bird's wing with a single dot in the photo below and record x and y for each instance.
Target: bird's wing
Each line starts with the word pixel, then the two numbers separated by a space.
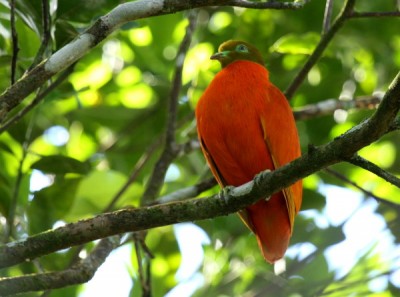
pixel 217 174
pixel 221 181
pixel 281 138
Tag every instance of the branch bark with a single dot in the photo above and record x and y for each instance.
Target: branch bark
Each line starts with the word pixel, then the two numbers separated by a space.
pixel 79 273
pixel 367 165
pixel 234 199
pixel 330 105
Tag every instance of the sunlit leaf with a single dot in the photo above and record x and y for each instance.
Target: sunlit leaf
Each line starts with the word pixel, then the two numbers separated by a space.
pixel 296 44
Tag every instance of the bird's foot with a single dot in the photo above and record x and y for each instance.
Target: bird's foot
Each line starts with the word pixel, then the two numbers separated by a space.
pixel 225 193
pixel 259 179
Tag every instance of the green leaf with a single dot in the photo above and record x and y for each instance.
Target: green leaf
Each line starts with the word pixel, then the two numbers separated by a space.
pixel 296 44
pixel 5 198
pixel 51 204
pixel 98 189
pixel 312 200
pixel 58 164
pixel 64 33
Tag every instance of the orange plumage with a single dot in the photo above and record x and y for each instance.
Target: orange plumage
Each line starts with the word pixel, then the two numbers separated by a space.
pixel 245 125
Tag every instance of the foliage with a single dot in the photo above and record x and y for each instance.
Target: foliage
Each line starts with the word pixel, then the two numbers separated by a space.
pixel 68 158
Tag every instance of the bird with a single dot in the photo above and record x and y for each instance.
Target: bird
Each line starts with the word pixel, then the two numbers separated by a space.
pixel 245 125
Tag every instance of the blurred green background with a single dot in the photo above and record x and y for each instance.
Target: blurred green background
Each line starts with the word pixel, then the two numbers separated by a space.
pixel 68 158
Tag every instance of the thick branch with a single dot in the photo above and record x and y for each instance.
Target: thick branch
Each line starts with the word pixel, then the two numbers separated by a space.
pixel 341 148
pixel 120 15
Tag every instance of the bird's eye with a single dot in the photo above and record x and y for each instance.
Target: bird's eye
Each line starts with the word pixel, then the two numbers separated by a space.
pixel 242 48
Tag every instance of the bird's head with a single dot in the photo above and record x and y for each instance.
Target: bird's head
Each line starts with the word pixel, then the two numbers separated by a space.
pixel 234 50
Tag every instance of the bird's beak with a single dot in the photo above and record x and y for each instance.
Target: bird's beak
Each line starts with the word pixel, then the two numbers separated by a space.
pixel 219 56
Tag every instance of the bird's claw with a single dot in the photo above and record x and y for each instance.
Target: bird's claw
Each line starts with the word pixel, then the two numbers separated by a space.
pixel 260 177
pixel 225 193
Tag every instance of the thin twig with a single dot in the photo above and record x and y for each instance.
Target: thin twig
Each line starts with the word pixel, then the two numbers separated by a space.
pixel 17 186
pixel 14 37
pixel 376 14
pixel 330 105
pixel 46 34
pixel 317 53
pixel 366 192
pixel 265 5
pixel 169 153
pixel 144 264
pixel 170 149
pixel 135 172
pixel 188 192
pixel 37 99
pixel 327 16
pixel 353 283
pixel 368 165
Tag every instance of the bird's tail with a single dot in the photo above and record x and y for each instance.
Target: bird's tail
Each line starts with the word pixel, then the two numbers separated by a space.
pixel 270 223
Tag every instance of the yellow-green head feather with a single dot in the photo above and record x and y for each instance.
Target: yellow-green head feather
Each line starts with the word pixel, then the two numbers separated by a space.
pixel 234 50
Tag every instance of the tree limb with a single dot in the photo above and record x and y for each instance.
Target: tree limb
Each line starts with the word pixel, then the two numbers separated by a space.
pixel 79 273
pixel 14 36
pixel 366 192
pixel 376 14
pixel 46 34
pixel 330 105
pixel 170 149
pixel 368 165
pixel 38 98
pixel 235 199
pixel 327 16
pixel 188 192
pixel 317 53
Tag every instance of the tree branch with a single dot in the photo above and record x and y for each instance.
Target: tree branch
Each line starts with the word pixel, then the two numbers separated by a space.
pixel 235 199
pixel 39 97
pixel 135 173
pixel 79 273
pixel 188 192
pixel 327 16
pixel 317 53
pixel 376 14
pixel 368 165
pixel 330 105
pixel 14 36
pixel 120 15
pixel 170 149
pixel 265 5
pixel 46 36
pixel 368 193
